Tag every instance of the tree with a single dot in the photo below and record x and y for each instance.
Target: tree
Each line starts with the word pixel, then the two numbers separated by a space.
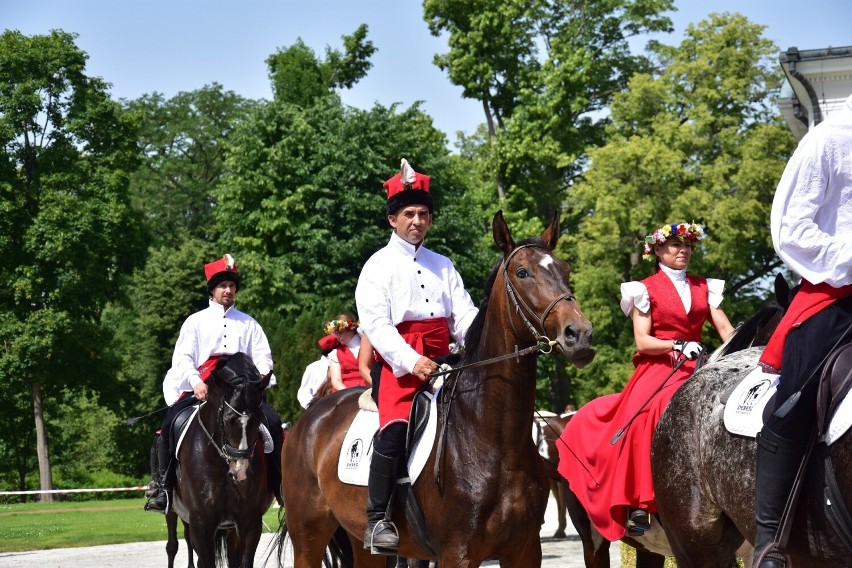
pixel 700 140
pixel 544 71
pixel 67 233
pixel 184 141
pixel 299 78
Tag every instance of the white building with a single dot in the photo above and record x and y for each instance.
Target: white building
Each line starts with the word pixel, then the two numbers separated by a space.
pixel 818 81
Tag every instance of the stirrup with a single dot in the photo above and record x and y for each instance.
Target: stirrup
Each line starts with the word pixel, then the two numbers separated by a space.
pixel 151 503
pixel 638 521
pixel 383 525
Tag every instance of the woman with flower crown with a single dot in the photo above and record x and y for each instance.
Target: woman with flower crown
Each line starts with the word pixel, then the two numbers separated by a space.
pixel 605 452
pixel 343 371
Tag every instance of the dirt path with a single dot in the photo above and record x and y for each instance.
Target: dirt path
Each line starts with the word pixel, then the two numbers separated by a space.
pixel 565 553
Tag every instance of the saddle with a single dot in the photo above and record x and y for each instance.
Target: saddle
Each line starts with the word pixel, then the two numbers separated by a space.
pixel 178 427
pixel 834 385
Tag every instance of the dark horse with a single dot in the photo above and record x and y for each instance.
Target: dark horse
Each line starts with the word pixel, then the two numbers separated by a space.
pixel 221 490
pixel 551 428
pixel 483 496
pixel 654 546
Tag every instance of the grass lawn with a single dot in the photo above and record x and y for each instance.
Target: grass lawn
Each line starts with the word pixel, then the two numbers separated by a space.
pixel 39 526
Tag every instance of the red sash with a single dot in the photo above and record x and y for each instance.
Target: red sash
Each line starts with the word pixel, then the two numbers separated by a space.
pixel 349 373
pixel 204 370
pixel 809 300
pixel 429 337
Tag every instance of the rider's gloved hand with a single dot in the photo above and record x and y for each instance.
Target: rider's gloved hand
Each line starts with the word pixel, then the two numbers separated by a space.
pixel 691 349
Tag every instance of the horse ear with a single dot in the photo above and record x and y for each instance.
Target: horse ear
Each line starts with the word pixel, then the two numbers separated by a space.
pixel 782 291
pixel 502 236
pixel 264 380
pixel 550 236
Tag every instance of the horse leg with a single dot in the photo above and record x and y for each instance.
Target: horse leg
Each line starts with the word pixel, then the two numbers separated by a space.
pixel 172 542
pixel 247 541
pixel 189 551
pixel 649 560
pixel 595 546
pixel 559 488
pixel 204 543
pixel 527 554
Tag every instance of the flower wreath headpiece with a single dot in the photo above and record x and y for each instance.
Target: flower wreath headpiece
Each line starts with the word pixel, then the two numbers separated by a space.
pixel 688 232
pixel 339 325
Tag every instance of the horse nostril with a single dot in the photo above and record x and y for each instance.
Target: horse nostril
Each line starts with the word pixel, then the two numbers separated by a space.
pixel 570 335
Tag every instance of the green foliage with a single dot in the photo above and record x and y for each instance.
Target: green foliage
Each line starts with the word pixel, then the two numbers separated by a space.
pixel 299 78
pixel 184 141
pixel 697 140
pixel 544 84
pixel 68 234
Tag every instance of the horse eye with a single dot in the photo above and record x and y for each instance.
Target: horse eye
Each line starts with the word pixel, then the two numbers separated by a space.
pixel 522 273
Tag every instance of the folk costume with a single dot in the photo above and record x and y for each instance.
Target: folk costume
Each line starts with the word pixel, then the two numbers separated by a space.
pixel 204 337
pixel 410 300
pixel 810 222
pixel 346 355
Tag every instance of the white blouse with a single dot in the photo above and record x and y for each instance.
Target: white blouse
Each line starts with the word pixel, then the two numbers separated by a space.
pixel 635 294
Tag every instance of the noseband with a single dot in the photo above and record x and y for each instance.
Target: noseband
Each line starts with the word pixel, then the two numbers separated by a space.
pixel 518 302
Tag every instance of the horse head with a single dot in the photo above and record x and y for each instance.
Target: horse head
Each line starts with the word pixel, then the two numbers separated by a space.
pixel 541 304
pixel 238 396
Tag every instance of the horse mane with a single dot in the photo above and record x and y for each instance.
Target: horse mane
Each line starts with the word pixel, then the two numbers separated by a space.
pixel 238 373
pixel 474 332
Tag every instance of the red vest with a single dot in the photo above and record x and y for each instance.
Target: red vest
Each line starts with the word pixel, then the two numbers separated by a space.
pixel 349 373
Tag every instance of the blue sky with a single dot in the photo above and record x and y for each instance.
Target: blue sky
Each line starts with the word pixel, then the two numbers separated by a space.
pixel 182 45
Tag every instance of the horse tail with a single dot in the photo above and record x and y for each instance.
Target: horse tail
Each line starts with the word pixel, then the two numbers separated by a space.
pixel 280 539
pixel 221 547
pixel 340 549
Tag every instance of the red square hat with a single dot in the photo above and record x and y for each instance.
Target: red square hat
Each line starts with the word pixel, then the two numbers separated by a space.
pixel 407 188
pixel 221 270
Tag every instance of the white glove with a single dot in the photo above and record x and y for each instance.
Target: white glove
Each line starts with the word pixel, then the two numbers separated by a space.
pixel 689 348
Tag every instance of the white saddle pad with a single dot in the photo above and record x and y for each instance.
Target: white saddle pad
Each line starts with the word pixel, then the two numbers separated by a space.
pixel 353 466
pixel 840 422
pixel 744 409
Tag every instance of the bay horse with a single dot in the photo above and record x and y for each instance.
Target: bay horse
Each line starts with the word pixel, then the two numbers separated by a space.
pixel 484 495
pixel 654 546
pixel 221 491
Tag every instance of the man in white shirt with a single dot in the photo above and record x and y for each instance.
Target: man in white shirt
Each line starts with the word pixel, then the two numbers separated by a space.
pixel 315 377
pixel 811 221
pixel 220 329
pixel 410 300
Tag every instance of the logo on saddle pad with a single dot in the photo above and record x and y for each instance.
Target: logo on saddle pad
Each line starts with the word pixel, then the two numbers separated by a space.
pixel 356 449
pixel 747 403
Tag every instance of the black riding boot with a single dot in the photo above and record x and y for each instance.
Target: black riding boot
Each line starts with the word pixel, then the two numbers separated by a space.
pixel 381 536
pixel 161 500
pixel 778 460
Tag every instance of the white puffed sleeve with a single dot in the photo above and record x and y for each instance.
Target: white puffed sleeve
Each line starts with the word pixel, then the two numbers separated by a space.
pixel 714 291
pixel 634 294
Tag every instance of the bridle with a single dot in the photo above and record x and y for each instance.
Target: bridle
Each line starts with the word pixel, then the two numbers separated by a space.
pixel 226 451
pixel 543 344
pixel 517 302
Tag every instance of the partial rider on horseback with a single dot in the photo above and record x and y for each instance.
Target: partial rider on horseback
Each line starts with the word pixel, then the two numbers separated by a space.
pixel 410 300
pixel 220 329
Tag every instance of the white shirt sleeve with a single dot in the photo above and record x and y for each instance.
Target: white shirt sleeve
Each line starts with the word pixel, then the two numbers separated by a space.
pixel 811 216
pixel 715 289
pixel 634 295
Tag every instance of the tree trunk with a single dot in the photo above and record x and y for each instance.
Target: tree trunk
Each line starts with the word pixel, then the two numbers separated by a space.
pixel 44 473
pixel 492 134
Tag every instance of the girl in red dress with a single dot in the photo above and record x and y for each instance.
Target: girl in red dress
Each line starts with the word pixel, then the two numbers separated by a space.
pixel 343 369
pixel 668 309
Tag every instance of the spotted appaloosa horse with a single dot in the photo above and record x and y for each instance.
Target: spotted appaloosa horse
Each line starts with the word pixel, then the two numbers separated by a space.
pixel 489 500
